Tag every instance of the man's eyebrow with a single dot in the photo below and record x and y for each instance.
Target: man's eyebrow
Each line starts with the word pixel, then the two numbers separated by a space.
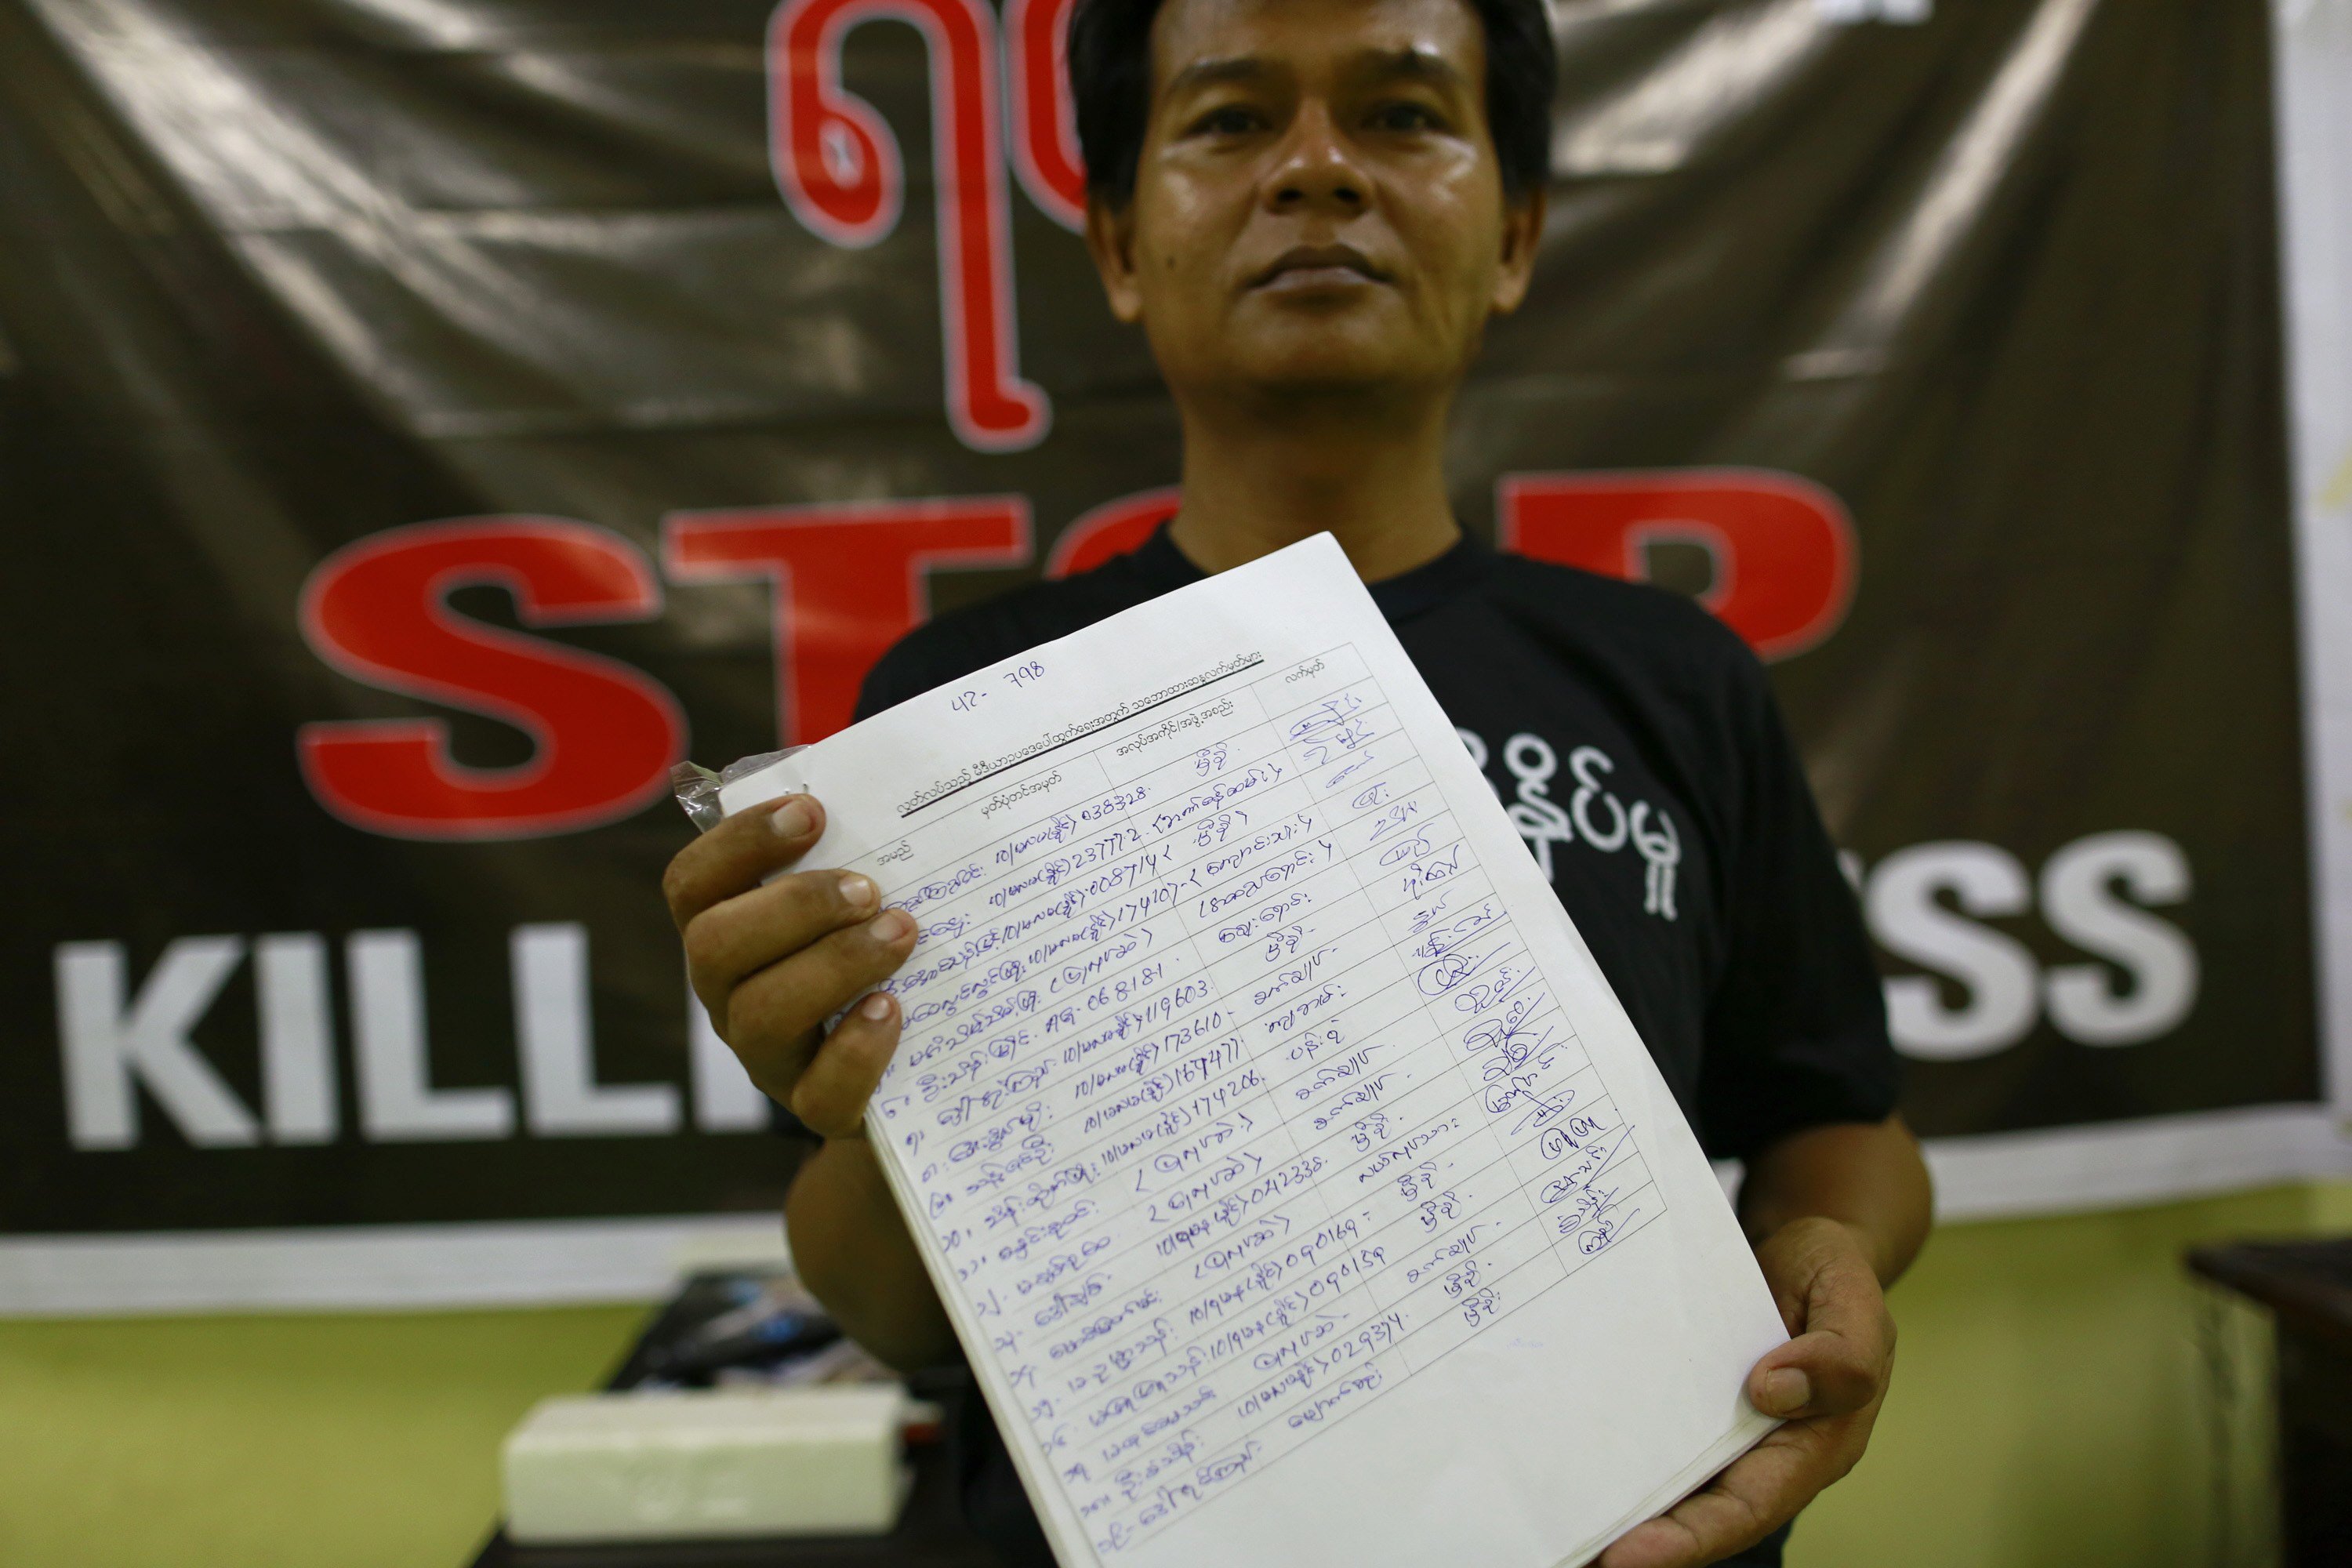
pixel 1216 70
pixel 1414 62
pixel 1408 61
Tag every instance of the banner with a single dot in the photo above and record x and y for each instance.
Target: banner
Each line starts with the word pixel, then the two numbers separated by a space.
pixel 2314 128
pixel 420 426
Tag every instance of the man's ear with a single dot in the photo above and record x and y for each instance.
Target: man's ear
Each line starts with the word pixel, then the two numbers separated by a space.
pixel 1523 223
pixel 1110 240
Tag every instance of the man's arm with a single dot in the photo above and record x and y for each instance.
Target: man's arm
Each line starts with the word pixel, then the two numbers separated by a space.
pixel 1836 1214
pixel 852 1251
pixel 1868 1177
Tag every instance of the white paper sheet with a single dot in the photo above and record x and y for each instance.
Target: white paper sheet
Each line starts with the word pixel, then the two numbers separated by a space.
pixel 1297 1187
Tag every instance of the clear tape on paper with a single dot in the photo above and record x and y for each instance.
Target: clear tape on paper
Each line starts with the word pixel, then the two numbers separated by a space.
pixel 697 787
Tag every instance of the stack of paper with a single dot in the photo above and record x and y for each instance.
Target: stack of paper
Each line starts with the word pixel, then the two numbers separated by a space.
pixel 1299 1188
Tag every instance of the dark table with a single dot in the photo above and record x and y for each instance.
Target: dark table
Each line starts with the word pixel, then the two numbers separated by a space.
pixel 2307 1286
pixel 931 1534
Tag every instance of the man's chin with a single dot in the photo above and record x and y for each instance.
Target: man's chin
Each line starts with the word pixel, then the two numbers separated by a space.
pixel 1329 373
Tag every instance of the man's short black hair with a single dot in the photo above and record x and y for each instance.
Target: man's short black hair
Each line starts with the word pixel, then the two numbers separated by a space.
pixel 1111 82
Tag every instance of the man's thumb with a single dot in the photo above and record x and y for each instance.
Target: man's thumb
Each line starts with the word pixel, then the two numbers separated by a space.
pixel 1815 1373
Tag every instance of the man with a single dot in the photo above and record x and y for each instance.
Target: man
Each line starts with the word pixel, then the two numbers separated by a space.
pixel 1312 207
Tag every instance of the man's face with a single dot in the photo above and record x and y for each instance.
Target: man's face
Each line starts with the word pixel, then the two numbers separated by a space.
pixel 1317 207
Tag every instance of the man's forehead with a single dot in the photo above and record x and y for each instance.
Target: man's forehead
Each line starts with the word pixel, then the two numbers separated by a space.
pixel 1229 37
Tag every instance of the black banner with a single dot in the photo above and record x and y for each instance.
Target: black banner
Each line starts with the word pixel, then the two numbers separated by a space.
pixel 419 425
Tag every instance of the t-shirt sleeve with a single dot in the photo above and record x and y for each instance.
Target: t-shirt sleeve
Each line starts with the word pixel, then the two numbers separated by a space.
pixel 1796 1031
pixel 931 655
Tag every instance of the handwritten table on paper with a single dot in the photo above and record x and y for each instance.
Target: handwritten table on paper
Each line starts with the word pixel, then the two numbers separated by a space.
pixel 1297 1187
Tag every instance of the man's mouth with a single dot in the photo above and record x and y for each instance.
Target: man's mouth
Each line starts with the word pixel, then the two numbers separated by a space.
pixel 1318 267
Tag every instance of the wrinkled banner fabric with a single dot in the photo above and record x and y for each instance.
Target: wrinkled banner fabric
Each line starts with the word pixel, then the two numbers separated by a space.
pixel 421 425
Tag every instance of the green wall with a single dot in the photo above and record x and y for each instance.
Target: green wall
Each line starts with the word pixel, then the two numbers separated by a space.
pixel 2051 1408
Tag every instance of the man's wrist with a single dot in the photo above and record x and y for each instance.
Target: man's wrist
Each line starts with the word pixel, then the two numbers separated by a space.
pixel 1868 1178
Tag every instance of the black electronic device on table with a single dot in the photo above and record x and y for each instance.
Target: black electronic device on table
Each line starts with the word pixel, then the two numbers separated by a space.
pixel 740 1326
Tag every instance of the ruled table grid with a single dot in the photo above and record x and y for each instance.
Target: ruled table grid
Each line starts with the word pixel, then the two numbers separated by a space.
pixel 1245 997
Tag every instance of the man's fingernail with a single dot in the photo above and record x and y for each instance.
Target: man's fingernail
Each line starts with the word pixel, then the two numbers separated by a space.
pixel 876 1007
pixel 889 926
pixel 857 891
pixel 1786 1392
pixel 793 819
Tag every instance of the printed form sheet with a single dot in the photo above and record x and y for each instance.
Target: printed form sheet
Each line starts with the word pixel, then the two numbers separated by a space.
pixel 1297 1187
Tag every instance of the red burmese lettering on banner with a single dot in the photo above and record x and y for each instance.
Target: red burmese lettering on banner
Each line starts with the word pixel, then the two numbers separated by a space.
pixel 603 734
pixel 841 172
pixel 1045 123
pixel 1783 547
pixel 849 582
pixel 1112 529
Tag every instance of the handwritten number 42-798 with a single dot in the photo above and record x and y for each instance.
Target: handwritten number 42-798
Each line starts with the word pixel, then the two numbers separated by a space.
pixel 1023 674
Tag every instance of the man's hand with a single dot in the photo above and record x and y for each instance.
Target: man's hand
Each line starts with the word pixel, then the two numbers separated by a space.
pixel 1828 1383
pixel 772 961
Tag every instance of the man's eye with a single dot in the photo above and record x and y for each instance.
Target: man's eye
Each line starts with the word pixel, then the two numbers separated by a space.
pixel 1406 116
pixel 1228 119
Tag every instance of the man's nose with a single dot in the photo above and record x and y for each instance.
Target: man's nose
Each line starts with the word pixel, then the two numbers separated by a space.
pixel 1314 167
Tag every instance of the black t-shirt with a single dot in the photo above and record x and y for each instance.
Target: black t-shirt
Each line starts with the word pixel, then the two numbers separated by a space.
pixel 1636 745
